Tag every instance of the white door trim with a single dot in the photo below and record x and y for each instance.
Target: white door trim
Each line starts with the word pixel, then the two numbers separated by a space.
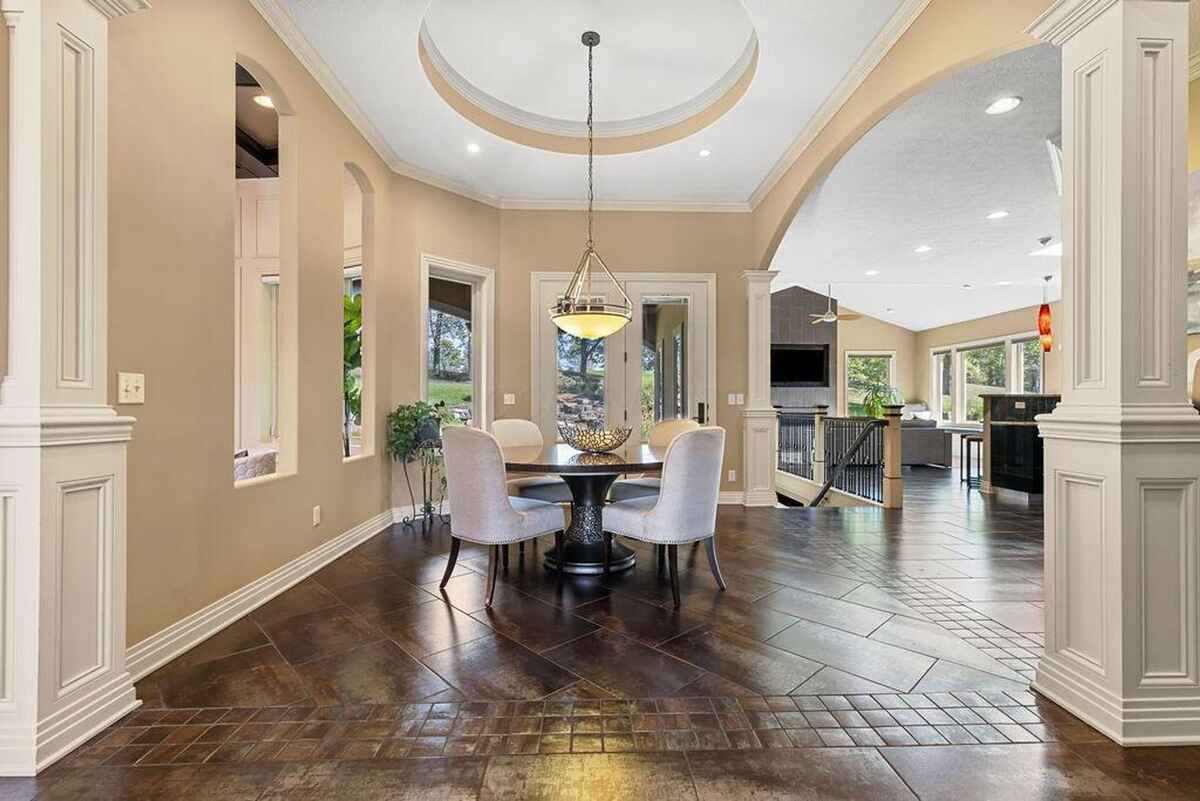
pixel 483 326
pixel 538 277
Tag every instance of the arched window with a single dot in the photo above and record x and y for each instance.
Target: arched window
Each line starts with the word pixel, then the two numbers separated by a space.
pixel 264 280
pixel 357 345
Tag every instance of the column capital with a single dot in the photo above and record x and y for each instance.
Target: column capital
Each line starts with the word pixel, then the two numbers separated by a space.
pixel 756 276
pixel 1065 18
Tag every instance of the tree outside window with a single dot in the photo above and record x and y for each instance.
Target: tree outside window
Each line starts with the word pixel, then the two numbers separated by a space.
pixel 448 348
pixel 868 384
pixel 985 372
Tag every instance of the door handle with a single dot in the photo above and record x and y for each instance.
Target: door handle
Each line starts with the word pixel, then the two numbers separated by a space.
pixel 701 416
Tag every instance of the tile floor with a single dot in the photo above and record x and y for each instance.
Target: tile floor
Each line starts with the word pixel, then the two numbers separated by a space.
pixel 857 654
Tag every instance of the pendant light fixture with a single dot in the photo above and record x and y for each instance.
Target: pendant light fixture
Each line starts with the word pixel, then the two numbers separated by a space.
pixel 1043 318
pixel 578 312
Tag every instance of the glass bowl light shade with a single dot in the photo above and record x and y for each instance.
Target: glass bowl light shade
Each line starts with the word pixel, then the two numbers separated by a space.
pixel 591 321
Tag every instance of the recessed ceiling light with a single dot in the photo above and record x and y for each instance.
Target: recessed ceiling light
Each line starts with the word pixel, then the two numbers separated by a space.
pixel 968 286
pixel 705 153
pixel 473 148
pixel 1003 105
pixel 997 215
pixel 1004 283
pixel 922 249
pixel 871 272
pixel 1048 250
pixel 265 101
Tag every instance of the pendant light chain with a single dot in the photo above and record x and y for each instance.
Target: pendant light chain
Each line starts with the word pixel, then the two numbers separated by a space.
pixel 591 149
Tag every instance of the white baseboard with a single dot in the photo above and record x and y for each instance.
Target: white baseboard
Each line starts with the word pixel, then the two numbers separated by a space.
pixel 71 727
pixel 732 498
pixel 158 649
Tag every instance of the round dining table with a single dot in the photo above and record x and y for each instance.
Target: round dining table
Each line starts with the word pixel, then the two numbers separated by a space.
pixel 589 477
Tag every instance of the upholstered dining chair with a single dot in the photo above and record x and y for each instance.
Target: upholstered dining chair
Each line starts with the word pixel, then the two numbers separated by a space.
pixel 685 509
pixel 661 436
pixel 481 510
pixel 513 432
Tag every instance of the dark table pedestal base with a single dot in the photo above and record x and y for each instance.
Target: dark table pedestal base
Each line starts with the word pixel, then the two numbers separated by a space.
pixel 585 535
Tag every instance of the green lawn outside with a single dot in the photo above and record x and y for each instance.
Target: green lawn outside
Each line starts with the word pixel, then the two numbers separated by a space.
pixel 454 393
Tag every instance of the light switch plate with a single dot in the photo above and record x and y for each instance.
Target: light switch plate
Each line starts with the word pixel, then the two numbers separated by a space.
pixel 732 476
pixel 316 515
pixel 131 388
pixel 510 399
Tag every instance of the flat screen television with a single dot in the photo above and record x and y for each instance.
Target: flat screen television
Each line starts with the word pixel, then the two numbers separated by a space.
pixel 799 365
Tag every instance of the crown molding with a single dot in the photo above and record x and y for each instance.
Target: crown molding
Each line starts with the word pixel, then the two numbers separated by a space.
pixel 555 126
pixel 1065 18
pixel 119 8
pixel 887 37
pixel 280 21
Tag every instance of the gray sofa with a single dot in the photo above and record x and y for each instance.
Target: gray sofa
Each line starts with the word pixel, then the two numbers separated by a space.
pixel 922 442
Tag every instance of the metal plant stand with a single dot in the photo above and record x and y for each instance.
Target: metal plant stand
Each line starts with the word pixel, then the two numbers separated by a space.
pixel 429 456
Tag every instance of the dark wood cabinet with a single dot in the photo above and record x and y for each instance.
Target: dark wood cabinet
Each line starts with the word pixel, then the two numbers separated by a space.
pixel 1014 448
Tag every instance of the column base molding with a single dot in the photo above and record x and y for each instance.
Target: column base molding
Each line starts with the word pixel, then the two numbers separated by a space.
pixel 45 426
pixel 1141 721
pixel 1142 423
pixel 760 429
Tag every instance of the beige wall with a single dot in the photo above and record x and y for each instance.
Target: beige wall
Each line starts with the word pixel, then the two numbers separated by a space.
pixel 1020 321
pixel 870 333
pixel 192 536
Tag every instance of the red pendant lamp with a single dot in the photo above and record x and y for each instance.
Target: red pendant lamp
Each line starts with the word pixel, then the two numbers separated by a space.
pixel 1043 319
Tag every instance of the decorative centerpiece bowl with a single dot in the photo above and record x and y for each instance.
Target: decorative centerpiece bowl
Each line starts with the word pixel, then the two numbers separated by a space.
pixel 593 440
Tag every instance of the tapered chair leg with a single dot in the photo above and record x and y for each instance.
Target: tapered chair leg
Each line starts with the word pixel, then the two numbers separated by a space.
pixel 559 555
pixel 660 555
pixel 608 539
pixel 493 567
pixel 505 555
pixel 673 565
pixel 711 546
pixel 450 560
pixel 520 551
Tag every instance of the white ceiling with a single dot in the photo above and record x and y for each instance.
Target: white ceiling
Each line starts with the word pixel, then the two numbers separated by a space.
pixel 929 174
pixel 651 57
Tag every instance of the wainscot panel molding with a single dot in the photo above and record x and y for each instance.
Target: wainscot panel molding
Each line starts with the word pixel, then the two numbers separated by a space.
pixel 63 676
pixel 1122 466
pixel 159 649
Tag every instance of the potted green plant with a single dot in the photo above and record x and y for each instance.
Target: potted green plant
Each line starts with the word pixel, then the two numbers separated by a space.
pixel 877 396
pixel 414 435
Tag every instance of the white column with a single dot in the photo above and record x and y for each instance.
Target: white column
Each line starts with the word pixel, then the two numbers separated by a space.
pixel 760 421
pixel 1123 449
pixel 62 448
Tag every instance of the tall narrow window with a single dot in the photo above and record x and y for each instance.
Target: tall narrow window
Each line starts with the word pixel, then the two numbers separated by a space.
pixel 943 377
pixel 257 281
pixel 869 377
pixel 985 371
pixel 353 351
pixel 664 362
pixel 1030 365
pixel 450 360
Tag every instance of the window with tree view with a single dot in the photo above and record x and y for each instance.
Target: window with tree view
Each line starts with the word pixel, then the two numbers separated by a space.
pixel 449 374
pixel 985 371
pixel 1030 352
pixel 580 387
pixel 868 383
pixel 943 369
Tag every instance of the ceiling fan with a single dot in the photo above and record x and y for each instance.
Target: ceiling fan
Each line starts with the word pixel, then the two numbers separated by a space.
pixel 830 316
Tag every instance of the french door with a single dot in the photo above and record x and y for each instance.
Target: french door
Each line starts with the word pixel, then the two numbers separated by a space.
pixel 660 366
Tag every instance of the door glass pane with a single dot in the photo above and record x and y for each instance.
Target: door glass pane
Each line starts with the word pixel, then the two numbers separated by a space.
pixel 944 369
pixel 865 374
pixel 984 371
pixel 1031 365
pixel 267 359
pixel 664 394
pixel 579 387
pixel 449 374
